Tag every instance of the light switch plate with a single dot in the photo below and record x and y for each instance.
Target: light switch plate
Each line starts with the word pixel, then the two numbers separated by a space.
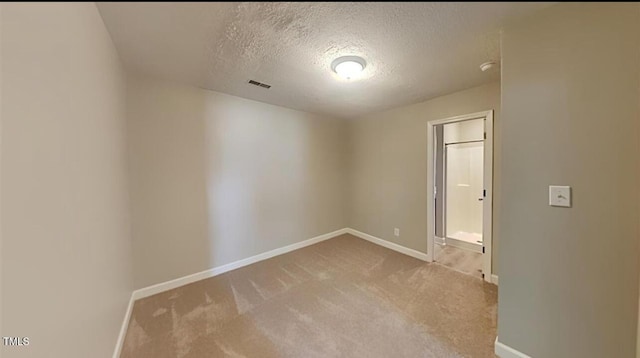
pixel 560 196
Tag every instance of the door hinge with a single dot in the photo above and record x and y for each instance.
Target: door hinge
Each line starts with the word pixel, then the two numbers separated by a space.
pixel 484 193
pixel 483 249
pixel 485 135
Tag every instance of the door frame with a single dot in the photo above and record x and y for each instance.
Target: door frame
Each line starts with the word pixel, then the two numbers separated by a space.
pixel 487 203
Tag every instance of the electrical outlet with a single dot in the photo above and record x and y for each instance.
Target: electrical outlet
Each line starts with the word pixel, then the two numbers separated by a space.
pixel 396 232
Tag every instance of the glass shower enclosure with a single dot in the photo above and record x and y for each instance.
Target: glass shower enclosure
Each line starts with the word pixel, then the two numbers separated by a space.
pixel 463 180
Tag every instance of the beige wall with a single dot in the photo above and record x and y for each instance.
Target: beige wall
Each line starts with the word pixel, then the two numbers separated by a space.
pixel 388 179
pixel 66 242
pixel 217 178
pixel 570 89
pixel 1 234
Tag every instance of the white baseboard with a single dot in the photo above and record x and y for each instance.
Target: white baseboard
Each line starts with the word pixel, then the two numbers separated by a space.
pixel 168 285
pixel 181 281
pixel 185 280
pixel 389 245
pixel 504 351
pixel 494 279
pixel 123 328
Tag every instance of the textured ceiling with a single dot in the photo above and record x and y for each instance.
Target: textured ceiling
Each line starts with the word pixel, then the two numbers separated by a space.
pixel 414 51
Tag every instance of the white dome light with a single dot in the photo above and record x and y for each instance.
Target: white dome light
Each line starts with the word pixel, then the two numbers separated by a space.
pixel 348 67
pixel 487 66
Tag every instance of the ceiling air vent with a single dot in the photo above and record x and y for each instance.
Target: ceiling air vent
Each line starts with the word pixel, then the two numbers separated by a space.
pixel 259 84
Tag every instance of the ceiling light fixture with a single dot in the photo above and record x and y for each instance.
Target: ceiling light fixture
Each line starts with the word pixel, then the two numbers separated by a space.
pixel 348 67
pixel 487 65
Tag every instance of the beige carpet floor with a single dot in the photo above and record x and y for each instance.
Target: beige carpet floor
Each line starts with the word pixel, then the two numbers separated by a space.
pixel 343 297
pixel 465 261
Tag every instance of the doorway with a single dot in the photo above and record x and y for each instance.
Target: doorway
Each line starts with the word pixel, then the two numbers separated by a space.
pixel 460 152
